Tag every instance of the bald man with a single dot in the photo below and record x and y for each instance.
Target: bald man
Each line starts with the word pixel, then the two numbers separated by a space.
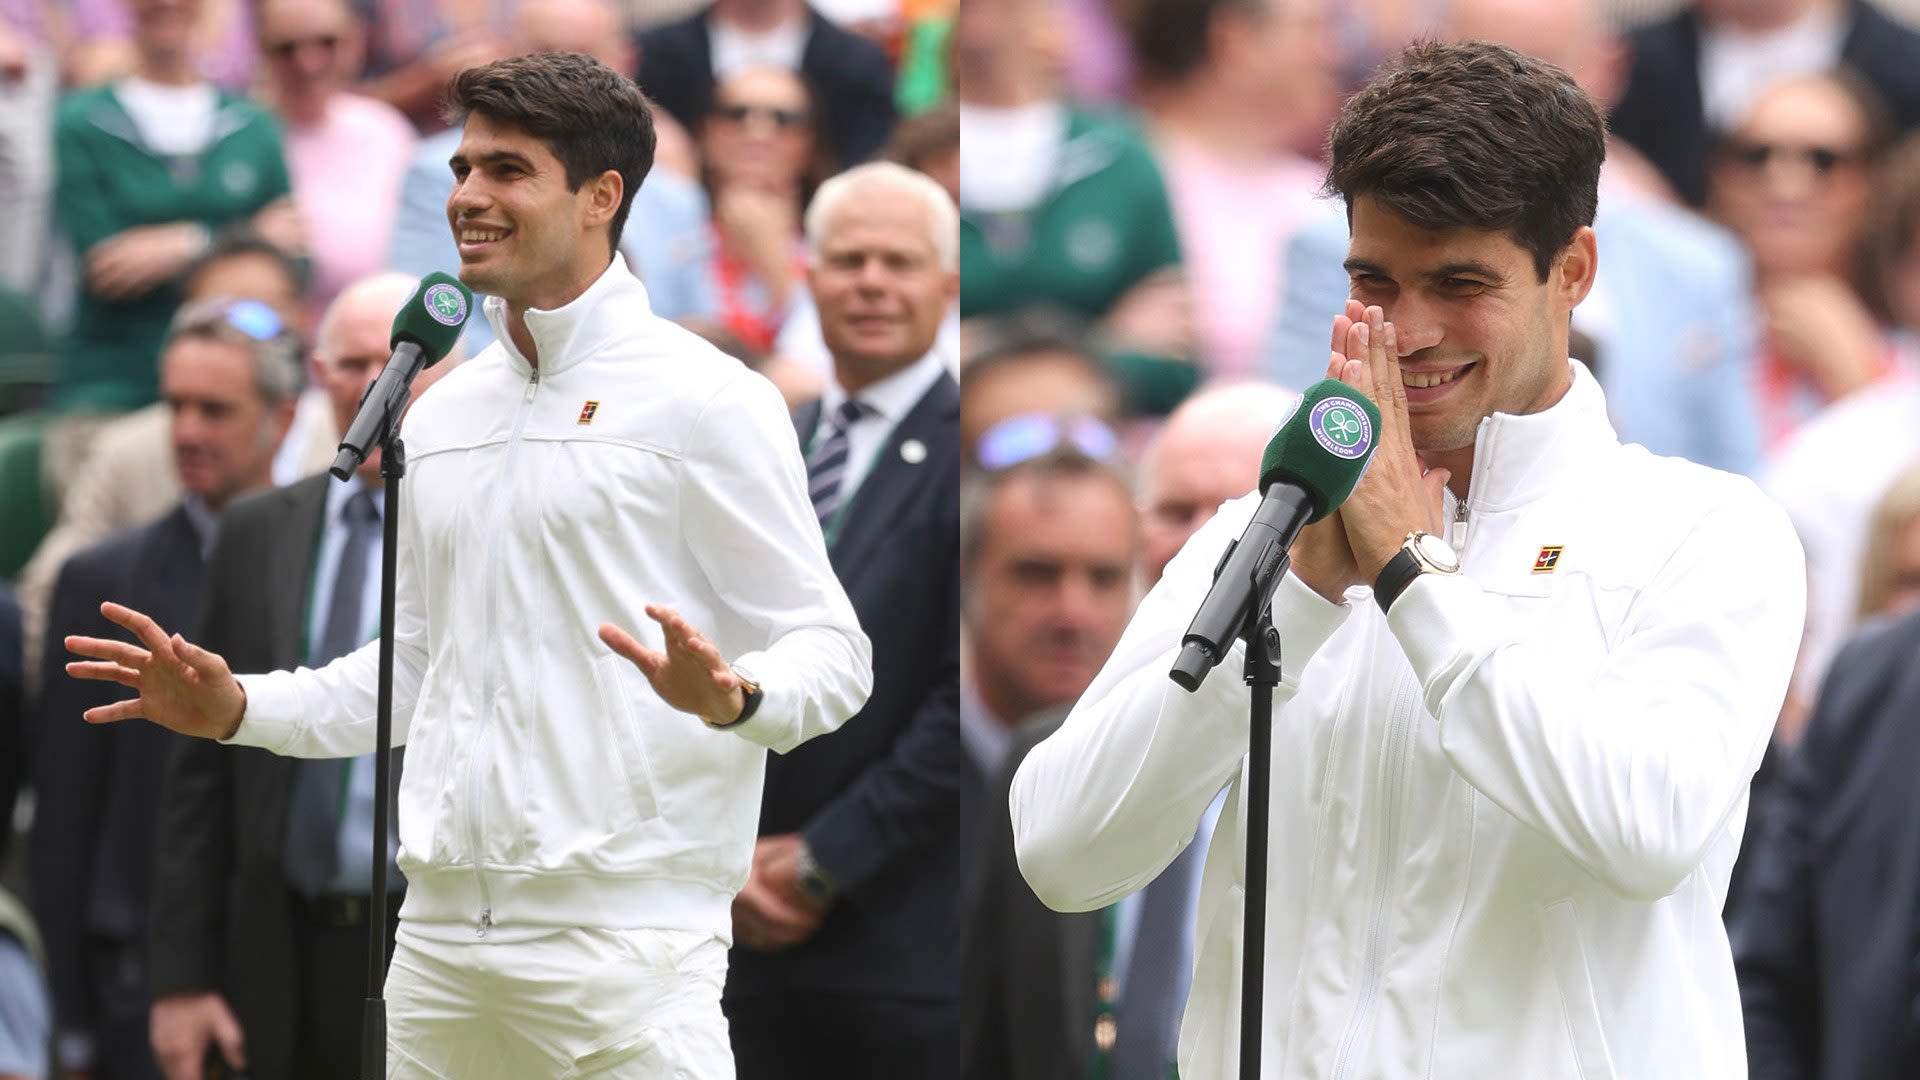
pixel 259 907
pixel 1208 452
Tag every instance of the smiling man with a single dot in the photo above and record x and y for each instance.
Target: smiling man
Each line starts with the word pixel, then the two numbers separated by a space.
pixel 572 841
pixel 1528 671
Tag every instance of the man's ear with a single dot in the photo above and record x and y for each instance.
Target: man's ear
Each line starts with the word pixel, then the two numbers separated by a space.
pixel 603 197
pixel 1575 268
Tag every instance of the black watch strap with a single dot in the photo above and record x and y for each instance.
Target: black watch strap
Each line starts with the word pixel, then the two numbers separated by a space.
pixel 1399 573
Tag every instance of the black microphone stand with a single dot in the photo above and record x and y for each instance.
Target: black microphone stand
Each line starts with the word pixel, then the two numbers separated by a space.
pixel 373 1022
pixel 1262 674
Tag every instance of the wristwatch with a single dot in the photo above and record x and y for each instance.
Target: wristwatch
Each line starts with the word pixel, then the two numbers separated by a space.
pixel 1420 553
pixel 813 880
pixel 750 692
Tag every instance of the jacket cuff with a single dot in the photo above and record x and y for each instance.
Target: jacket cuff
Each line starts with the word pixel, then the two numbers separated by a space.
pixel 272 717
pixel 775 724
pixel 183 965
pixel 1305 620
pixel 1433 620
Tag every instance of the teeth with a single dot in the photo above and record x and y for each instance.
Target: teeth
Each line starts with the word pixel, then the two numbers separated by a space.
pixel 478 236
pixel 1420 381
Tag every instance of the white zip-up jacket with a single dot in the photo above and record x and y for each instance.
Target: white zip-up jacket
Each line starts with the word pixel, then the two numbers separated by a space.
pixel 1503 817
pixel 546 784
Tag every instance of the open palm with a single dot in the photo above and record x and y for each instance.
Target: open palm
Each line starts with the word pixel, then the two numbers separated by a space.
pixel 180 686
pixel 689 674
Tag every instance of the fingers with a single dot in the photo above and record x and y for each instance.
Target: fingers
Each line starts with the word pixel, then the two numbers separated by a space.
pixel 682 637
pixel 130 709
pixel 144 628
pixel 233 1042
pixel 207 664
pixel 105 671
pixel 1434 481
pixel 119 652
pixel 647 660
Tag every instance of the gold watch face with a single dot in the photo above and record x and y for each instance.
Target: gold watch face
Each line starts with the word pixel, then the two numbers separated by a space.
pixel 1434 553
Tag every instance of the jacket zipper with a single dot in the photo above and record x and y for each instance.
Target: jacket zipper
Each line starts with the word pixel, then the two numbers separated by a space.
pixel 1401 721
pixel 476 820
pixel 1373 966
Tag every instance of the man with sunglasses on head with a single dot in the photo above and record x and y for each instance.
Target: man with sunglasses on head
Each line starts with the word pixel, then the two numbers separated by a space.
pixel 578 806
pixel 228 375
pixel 1048 541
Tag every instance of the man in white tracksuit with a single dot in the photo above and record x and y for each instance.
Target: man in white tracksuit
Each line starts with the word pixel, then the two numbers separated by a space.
pixel 1528 672
pixel 572 840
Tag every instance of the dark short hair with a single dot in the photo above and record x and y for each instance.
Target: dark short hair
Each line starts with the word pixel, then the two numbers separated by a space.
pixel 1478 136
pixel 590 116
pixel 1170 37
pixel 241 241
pixel 1063 464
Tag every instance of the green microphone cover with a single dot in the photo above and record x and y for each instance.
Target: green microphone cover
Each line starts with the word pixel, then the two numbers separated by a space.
pixel 1323 445
pixel 433 316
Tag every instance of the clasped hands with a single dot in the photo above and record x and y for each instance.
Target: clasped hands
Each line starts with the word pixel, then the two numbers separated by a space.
pixel 1399 493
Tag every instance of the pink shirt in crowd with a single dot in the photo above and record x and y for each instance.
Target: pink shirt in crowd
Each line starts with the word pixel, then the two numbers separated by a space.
pixel 1235 220
pixel 346 184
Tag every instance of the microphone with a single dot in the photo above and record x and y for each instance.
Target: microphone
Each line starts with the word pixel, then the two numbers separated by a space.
pixel 423 333
pixel 1316 456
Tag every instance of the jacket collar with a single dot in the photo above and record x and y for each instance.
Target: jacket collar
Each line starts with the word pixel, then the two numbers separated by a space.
pixel 569 334
pixel 1516 459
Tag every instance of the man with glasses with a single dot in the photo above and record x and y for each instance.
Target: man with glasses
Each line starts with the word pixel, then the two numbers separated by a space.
pixel 228 374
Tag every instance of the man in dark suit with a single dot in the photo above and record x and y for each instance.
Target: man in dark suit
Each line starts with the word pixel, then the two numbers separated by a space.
pixel 260 895
pixel 680 63
pixel 1665 113
pixel 1034 1002
pixel 228 373
pixel 1826 935
pixel 846 964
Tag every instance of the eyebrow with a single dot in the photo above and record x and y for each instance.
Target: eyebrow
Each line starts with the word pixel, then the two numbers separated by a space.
pixel 1438 273
pixel 493 157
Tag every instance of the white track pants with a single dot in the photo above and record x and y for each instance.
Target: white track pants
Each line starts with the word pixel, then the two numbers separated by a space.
pixel 608 1004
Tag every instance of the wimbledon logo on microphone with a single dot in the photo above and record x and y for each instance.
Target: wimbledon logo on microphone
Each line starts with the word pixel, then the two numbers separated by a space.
pixel 446 305
pixel 1341 427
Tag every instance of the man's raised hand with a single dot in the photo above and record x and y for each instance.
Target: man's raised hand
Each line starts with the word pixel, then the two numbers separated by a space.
pixel 179 685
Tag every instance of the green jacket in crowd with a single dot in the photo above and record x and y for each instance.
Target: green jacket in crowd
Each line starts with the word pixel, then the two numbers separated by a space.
pixel 109 181
pixel 1104 224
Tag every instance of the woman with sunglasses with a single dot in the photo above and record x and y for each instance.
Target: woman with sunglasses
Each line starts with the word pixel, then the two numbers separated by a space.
pixel 762 158
pixel 1793 180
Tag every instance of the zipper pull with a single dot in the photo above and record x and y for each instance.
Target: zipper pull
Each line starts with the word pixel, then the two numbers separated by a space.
pixel 486 923
pixel 1457 531
pixel 533 384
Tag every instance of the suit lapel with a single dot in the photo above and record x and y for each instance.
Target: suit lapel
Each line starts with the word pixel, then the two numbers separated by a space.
pixel 894 479
pixel 291 576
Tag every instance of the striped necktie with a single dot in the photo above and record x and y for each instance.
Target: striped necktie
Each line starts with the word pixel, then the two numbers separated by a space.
pixel 827 465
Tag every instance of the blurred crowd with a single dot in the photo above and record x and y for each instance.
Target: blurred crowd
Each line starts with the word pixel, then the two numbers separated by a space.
pixel 213 210
pixel 1149 265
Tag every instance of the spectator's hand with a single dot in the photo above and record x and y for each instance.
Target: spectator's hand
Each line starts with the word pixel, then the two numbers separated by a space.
pixel 690 675
pixel 1820 328
pixel 182 1026
pixel 761 226
pixel 1154 317
pixel 771 912
pixel 1398 494
pixel 133 262
pixel 278 223
pixel 182 687
pixel 462 51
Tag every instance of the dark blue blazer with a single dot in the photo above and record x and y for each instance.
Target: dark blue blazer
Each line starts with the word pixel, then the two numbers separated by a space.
pixel 878 800
pixel 97 788
pixel 848 73
pixel 1661 113
pixel 1826 933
